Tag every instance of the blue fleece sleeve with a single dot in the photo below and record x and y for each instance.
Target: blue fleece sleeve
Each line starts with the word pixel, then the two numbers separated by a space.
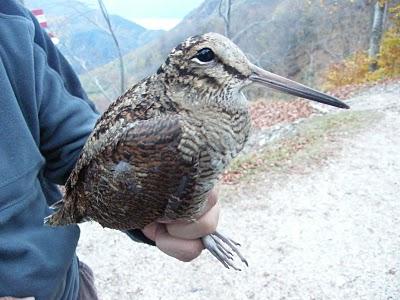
pixel 65 121
pixel 66 117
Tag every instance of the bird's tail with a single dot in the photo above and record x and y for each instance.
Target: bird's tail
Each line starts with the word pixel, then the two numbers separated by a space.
pixel 65 213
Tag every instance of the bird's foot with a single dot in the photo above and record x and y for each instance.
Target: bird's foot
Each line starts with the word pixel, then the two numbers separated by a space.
pixel 222 247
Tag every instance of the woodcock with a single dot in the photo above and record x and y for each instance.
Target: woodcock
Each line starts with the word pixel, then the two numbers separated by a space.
pixel 160 147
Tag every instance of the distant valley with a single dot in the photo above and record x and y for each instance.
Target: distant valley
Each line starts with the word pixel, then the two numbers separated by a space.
pixel 82 31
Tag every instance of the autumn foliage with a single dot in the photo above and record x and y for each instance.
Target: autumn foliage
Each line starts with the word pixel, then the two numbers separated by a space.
pixel 355 69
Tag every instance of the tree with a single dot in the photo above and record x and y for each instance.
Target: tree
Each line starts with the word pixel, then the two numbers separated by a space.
pixel 104 12
pixel 376 33
pixel 100 18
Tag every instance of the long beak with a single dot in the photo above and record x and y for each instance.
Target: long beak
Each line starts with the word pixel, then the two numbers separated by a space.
pixel 291 87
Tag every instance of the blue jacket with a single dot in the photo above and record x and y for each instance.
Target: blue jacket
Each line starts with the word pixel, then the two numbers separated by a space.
pixel 45 118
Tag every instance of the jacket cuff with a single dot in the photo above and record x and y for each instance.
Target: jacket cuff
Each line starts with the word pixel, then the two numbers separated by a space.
pixel 138 236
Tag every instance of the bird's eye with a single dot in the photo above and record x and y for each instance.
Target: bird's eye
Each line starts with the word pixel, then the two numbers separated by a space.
pixel 205 55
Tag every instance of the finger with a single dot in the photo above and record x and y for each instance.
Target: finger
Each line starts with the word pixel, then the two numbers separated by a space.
pixel 205 225
pixel 184 250
pixel 150 231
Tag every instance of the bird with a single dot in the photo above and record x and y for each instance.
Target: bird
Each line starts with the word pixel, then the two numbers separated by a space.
pixel 159 149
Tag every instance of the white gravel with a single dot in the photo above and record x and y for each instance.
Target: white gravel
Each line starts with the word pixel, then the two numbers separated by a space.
pixel 332 234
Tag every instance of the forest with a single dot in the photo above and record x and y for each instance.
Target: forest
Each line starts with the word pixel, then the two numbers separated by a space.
pixel 324 44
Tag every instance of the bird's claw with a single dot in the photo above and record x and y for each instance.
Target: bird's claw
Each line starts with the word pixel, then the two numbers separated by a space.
pixel 223 249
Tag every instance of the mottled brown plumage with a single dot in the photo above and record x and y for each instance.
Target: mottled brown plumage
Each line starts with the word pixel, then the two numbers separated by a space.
pixel 159 148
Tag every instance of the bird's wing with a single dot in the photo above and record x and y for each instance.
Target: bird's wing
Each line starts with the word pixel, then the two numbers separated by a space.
pixel 93 147
pixel 157 151
pixel 145 174
pixel 108 129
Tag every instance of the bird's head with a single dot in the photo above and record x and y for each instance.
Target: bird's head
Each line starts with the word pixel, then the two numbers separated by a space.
pixel 209 70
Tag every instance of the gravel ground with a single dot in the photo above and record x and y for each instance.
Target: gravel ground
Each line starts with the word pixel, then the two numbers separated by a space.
pixel 331 234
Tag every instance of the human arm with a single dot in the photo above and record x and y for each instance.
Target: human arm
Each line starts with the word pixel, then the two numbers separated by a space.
pixel 13 298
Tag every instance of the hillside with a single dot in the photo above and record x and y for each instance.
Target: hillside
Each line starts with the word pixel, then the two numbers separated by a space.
pixel 84 38
pixel 281 36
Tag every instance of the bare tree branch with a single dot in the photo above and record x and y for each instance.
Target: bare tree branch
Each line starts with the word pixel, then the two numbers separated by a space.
pixel 94 79
pixel 238 34
pixel 106 16
pixel 226 16
pixel 85 14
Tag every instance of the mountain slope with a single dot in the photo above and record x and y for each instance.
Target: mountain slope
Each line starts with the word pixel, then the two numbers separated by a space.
pixel 83 34
pixel 297 39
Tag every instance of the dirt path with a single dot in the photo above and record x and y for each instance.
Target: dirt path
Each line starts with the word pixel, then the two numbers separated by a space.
pixel 331 234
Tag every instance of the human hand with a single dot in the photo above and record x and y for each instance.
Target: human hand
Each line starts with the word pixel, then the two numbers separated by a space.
pixel 182 239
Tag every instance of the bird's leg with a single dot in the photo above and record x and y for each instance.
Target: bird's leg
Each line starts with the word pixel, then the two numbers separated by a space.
pixel 222 248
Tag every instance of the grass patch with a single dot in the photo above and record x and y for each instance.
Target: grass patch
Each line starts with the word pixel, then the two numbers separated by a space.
pixel 314 140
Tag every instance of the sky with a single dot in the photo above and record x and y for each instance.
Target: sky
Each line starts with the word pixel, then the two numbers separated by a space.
pixel 152 14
